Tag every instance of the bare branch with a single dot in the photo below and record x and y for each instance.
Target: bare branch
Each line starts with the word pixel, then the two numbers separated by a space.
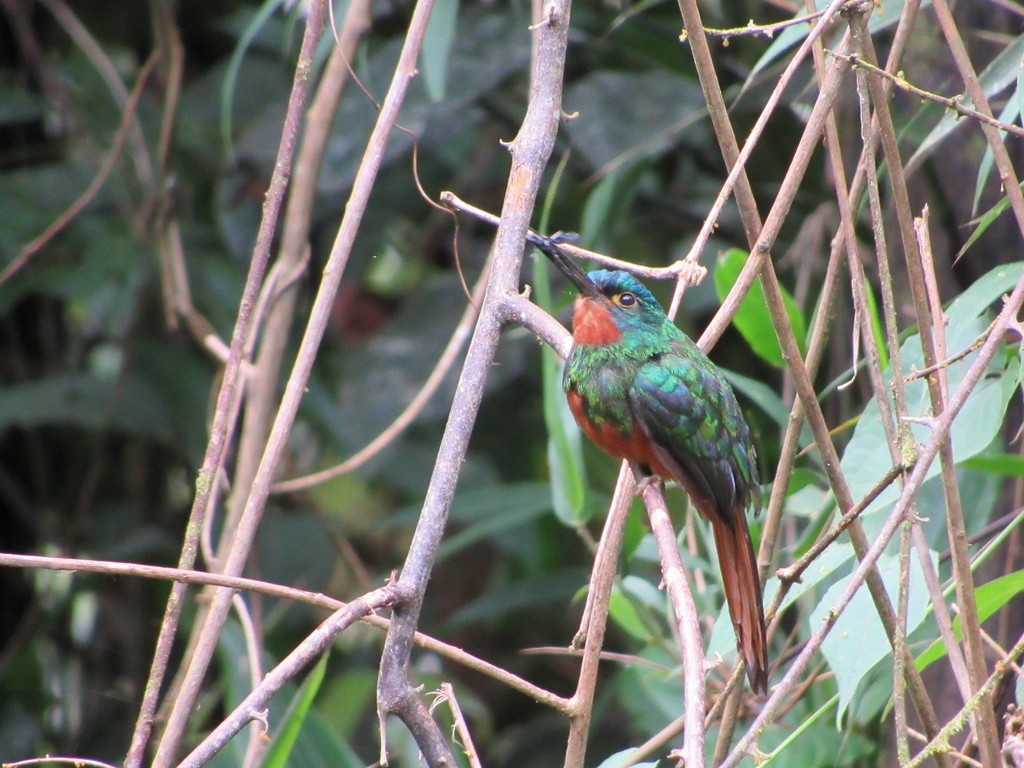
pixel 694 663
pixel 530 150
pixel 228 400
pixel 305 652
pixel 954 103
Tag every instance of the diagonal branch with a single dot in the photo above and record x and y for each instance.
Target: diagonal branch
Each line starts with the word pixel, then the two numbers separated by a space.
pixel 903 505
pixel 530 150
pixel 228 400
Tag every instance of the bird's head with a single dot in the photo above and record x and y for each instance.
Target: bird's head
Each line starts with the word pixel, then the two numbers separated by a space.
pixel 611 302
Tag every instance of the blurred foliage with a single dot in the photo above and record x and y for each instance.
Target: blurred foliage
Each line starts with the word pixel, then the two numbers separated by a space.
pixel 104 406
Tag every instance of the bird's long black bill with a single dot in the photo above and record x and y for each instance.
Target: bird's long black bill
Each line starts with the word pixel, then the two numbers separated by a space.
pixel 549 247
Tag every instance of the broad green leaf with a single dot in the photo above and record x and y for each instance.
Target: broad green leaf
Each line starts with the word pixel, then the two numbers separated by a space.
pixel 1009 464
pixel 990 598
pixel 620 759
pixel 652 694
pixel 18 104
pixel 81 400
pixel 227 94
pixel 555 586
pixel 320 746
pixel 608 203
pixel 491 525
pixel 295 716
pixel 858 641
pixel 752 318
pixel 489 47
pixel 437 46
pixel 877 327
pixel 236 682
pixel 345 698
pixel 624 613
pixel 981 418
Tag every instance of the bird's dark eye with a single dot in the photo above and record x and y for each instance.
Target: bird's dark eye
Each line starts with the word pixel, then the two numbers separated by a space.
pixel 627 300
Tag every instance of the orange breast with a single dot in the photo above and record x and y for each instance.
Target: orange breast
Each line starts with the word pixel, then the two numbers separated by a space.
pixel 592 323
pixel 635 446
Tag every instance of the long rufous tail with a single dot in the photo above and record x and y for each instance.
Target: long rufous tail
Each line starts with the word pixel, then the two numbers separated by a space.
pixel 743 595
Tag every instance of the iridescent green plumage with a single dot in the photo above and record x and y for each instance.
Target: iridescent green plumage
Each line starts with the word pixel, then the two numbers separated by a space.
pixel 643 391
pixel 655 376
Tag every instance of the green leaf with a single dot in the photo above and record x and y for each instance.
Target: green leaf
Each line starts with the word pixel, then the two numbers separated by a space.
pixel 295 716
pixel 752 319
pixel 608 203
pixel 624 613
pixel 620 759
pixel 985 221
pixel 981 418
pixel 437 46
pixel 491 525
pixel 661 108
pixel 765 397
pixel 1009 114
pixel 346 698
pixel 877 327
pixel 81 400
pixel 858 640
pixel 990 598
pixel 227 94
pixel 1007 464
pixel 552 587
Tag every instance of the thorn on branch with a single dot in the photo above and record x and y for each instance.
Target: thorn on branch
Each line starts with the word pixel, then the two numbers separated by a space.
pixel 262 716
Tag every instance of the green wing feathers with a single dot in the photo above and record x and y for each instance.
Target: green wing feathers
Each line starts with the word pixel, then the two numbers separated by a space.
pixel 689 410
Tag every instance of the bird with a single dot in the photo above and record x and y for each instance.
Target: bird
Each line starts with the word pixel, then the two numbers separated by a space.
pixel 643 391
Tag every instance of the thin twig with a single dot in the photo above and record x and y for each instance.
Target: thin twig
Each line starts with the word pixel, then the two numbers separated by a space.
pixel 606 558
pixel 319 600
pixel 955 103
pixel 75 762
pixel 914 375
pixel 688 624
pixel 108 71
pixel 737 162
pixel 901 508
pixel 228 400
pixel 900 655
pixel 117 142
pixel 460 726
pixel 304 653
pixel 792 573
pixel 673 271
pixel 929 328
pixel 263 392
pixel 596 618
pixel 254 656
pixel 530 150
pixel 408 415
pixel 765 30
pixel 941 741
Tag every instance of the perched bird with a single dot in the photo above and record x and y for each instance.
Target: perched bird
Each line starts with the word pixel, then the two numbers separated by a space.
pixel 643 391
